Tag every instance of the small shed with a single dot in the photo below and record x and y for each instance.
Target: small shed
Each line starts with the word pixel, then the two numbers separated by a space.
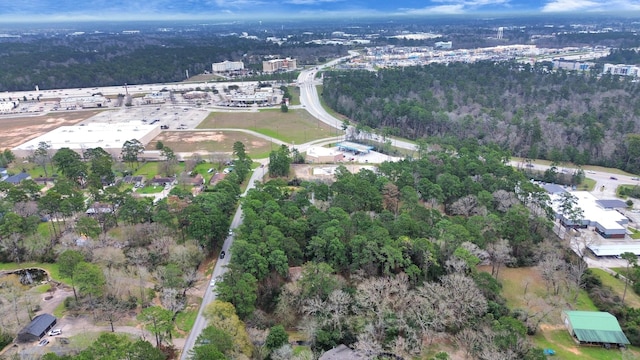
pixel 37 328
pixel 594 328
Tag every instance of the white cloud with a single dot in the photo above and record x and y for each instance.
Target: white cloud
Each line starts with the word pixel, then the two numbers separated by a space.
pixel 310 2
pixel 591 5
pixel 434 10
pixel 455 6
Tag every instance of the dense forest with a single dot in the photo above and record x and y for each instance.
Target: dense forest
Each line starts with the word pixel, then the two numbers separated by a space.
pixel 107 59
pixel 530 110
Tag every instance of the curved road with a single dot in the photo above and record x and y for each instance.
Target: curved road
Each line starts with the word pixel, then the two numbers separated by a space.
pixel 310 100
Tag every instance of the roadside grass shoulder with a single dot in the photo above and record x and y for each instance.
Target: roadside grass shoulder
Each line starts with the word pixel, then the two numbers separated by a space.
pixel 186 319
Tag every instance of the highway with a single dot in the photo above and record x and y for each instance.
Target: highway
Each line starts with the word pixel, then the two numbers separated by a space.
pixel 311 101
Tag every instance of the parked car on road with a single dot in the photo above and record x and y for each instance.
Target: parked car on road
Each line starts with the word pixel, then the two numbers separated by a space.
pixel 43 342
pixel 55 332
pixel 613 178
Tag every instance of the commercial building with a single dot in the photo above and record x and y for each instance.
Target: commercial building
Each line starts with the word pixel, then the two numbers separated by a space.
pixel 606 221
pixel 594 328
pixel 156 97
pixel 275 65
pixel 322 155
pixel 88 136
pixel 83 102
pixel 621 69
pixel 227 66
pixel 7 106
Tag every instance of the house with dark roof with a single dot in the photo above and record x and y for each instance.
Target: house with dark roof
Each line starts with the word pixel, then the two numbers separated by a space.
pixel 18 178
pixel 342 352
pixel 594 328
pixel 196 180
pixel 37 328
pixel 162 181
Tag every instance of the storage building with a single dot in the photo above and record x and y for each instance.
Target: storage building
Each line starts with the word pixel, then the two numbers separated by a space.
pixel 594 328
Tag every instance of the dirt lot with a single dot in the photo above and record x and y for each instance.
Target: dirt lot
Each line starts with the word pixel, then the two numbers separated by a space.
pixel 17 130
pixel 210 141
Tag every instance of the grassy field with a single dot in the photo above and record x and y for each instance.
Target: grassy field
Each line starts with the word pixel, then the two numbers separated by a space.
pixel 552 333
pixel 214 141
pixel 295 126
pixel 631 299
pixel 150 189
pixel 566 349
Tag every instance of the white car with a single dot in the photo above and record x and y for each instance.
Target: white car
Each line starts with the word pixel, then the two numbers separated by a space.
pixel 55 332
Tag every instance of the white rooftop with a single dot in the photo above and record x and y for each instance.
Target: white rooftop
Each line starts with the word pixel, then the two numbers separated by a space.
pixel 608 218
pixel 614 249
pixel 91 135
pixel 322 151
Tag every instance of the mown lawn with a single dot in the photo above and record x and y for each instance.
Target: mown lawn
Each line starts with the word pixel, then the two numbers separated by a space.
pixel 561 342
pixel 631 299
pixel 295 126
pixel 150 189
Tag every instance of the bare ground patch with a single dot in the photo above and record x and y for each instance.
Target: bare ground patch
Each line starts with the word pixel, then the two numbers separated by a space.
pixel 211 141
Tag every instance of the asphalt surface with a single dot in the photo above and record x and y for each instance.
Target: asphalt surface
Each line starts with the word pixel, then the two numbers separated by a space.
pixel 219 269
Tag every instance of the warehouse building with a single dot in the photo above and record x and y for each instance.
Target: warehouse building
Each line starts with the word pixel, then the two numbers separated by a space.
pixel 594 328
pixel 92 135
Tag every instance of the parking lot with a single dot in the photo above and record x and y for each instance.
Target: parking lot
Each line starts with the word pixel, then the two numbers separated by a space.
pixel 168 117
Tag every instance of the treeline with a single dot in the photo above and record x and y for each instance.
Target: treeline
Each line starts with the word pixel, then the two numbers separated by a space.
pixel 382 261
pixel 623 56
pixel 102 60
pixel 529 110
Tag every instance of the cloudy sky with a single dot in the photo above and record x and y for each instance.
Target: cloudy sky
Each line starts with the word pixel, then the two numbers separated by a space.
pixel 91 10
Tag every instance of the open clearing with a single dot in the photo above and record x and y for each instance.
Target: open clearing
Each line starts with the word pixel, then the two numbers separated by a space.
pixel 213 141
pixel 552 332
pixel 19 129
pixel 295 126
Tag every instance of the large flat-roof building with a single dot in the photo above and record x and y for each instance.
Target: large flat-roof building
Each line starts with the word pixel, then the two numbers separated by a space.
pixel 109 137
pixel 227 66
pixel 621 69
pixel 270 66
pixel 606 221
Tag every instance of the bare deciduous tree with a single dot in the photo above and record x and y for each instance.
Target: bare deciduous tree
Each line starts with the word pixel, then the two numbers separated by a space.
pixel 499 254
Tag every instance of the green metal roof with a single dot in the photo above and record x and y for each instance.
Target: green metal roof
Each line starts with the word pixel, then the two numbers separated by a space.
pixel 596 326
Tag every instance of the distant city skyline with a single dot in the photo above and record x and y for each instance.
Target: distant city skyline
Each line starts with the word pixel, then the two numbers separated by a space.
pixel 130 10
